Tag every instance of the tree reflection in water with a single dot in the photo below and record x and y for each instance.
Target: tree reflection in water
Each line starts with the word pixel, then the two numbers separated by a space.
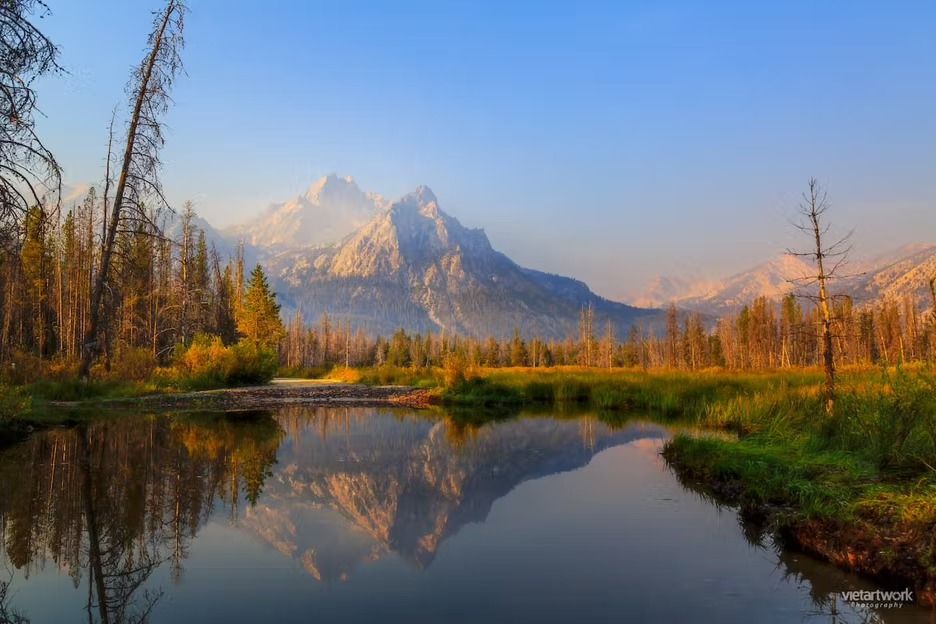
pixel 112 500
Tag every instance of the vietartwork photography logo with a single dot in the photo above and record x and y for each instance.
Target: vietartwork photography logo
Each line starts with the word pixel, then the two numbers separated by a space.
pixel 878 598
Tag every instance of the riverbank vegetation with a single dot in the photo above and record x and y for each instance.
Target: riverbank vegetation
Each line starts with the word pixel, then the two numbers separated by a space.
pixel 857 486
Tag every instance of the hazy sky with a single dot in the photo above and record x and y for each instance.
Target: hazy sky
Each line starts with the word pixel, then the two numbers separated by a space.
pixel 607 141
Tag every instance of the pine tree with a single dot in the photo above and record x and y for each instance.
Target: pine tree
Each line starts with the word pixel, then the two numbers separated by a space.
pixel 259 318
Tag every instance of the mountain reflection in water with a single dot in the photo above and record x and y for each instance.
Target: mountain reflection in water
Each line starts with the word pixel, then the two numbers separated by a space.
pixel 121 506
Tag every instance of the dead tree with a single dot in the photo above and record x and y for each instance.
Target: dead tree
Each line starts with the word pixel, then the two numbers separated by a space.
pixel 932 285
pixel 828 260
pixel 28 171
pixel 138 181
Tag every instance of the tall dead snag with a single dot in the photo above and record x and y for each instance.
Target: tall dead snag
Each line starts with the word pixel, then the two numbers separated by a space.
pixel 828 259
pixel 138 180
pixel 28 171
pixel 932 285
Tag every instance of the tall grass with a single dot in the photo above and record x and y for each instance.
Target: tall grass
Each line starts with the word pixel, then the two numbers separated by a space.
pixel 884 417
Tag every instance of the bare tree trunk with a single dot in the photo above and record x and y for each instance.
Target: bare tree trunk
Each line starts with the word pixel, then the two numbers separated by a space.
pixel 828 258
pixel 146 96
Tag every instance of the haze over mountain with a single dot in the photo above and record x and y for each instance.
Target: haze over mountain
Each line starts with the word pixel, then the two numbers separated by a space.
pixel 357 257
pixel 383 265
pixel 414 266
pixel 900 272
pixel 328 211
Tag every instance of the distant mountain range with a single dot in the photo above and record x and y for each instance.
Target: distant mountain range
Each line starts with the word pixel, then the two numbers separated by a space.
pixel 385 265
pixel 901 272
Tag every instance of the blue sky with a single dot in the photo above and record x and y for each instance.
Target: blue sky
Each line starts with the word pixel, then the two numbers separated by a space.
pixel 611 141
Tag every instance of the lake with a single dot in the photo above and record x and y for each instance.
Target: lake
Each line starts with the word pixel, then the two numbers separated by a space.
pixel 391 515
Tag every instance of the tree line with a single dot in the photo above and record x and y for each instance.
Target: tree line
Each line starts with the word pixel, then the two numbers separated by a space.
pixel 100 283
pixel 766 334
pixel 164 291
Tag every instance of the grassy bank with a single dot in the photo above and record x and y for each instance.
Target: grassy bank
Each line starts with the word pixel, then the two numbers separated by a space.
pixel 857 488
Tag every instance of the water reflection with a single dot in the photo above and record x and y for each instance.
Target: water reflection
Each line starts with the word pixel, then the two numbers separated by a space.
pixel 408 485
pixel 109 502
pixel 118 505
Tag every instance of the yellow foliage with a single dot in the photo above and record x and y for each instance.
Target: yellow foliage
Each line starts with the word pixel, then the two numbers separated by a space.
pixel 347 375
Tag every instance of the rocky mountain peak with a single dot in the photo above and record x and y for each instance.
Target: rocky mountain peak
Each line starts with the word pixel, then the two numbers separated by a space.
pixel 330 209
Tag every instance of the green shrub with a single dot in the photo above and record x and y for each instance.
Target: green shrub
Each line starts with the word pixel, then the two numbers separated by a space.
pixel 12 403
pixel 253 363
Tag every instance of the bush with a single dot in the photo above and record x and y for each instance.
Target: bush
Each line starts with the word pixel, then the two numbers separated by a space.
pixel 12 403
pixel 23 368
pixel 453 373
pixel 133 364
pixel 253 363
pixel 345 375
pixel 208 363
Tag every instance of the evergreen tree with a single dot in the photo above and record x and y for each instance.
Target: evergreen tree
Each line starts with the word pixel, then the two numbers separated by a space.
pixel 259 318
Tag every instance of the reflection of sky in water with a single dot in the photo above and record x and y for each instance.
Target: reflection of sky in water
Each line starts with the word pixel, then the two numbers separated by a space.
pixel 379 515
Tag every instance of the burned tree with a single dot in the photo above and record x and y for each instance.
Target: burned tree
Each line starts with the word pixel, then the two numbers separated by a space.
pixel 28 171
pixel 828 260
pixel 138 182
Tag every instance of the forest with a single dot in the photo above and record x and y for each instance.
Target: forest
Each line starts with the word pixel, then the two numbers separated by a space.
pixel 120 287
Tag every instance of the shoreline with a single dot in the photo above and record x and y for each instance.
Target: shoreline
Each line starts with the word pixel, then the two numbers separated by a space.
pixel 279 392
pixel 887 552
pixel 817 496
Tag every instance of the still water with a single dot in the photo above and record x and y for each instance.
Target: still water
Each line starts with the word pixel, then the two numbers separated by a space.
pixel 356 515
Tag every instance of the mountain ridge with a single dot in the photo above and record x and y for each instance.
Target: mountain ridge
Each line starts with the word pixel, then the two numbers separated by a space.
pixel 414 266
pixel 903 271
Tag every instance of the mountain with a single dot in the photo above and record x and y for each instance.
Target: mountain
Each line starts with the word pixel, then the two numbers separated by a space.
pixel 664 289
pixel 896 273
pixel 328 211
pixel 416 267
pixel 907 272
pixel 371 484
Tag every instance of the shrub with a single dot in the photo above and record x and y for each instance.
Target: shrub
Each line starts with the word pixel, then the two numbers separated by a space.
pixel 453 373
pixel 253 363
pixel 23 368
pixel 346 375
pixel 208 363
pixel 133 364
pixel 12 403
